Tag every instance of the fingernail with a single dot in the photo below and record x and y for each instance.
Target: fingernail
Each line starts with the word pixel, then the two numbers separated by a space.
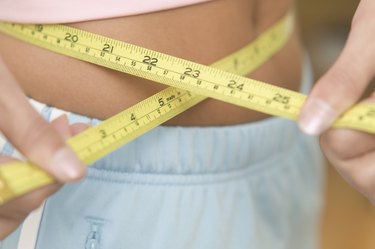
pixel 316 117
pixel 66 165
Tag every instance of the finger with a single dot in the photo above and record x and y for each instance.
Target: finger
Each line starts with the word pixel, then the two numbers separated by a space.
pixel 32 136
pixel 353 154
pixel 21 206
pixel 61 125
pixel 346 144
pixel 360 173
pixel 343 84
pixel 78 128
pixel 6 159
pixel 7 226
pixel 15 211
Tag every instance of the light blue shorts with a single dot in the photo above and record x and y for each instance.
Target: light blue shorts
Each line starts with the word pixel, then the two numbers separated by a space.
pixel 249 186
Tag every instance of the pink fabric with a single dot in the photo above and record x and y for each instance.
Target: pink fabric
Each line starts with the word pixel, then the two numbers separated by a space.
pixel 63 11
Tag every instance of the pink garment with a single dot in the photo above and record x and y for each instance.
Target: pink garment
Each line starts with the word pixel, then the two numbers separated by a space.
pixel 63 11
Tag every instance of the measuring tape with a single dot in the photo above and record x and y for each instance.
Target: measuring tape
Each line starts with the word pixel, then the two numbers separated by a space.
pixel 191 83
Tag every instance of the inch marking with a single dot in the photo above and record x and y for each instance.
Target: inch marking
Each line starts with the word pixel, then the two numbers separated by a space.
pixel 19 178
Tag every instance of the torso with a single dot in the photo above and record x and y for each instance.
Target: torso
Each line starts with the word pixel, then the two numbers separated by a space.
pixel 202 33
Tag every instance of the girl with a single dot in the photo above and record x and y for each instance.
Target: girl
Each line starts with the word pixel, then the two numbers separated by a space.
pixel 235 178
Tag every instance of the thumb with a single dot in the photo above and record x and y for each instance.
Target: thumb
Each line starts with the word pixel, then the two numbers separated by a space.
pixel 341 86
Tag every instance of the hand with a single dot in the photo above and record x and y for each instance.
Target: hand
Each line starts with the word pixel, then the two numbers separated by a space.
pixel 14 212
pixel 351 152
pixel 40 142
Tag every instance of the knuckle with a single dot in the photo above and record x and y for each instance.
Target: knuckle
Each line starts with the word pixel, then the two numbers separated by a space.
pixel 37 135
pixel 338 144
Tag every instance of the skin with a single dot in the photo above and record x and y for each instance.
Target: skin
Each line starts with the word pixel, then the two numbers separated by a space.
pixel 232 22
pixel 351 152
pixel 194 40
pixel 42 75
pixel 15 211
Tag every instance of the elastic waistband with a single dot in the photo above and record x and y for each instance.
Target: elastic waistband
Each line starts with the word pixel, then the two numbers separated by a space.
pixel 202 150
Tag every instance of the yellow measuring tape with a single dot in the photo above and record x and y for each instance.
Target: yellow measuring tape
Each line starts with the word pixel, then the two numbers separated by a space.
pixel 191 83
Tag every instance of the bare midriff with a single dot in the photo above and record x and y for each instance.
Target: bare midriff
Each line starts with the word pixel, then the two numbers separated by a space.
pixel 203 33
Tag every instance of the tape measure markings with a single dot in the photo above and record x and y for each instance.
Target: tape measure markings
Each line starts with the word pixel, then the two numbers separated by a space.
pixel 215 84
pixel 109 135
pixel 126 128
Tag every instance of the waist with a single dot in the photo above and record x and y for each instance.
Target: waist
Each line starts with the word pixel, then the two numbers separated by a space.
pixel 202 33
pixel 202 150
